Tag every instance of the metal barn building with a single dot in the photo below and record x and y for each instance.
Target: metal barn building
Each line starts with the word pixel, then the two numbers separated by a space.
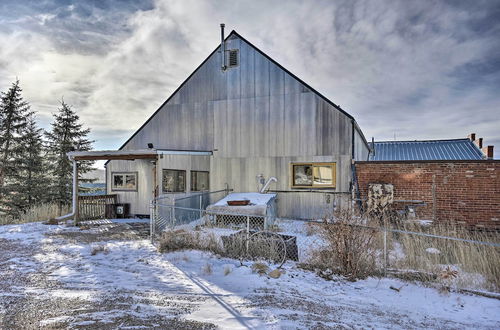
pixel 238 117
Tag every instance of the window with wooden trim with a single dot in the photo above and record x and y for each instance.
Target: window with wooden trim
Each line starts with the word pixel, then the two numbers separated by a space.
pixel 199 180
pixel 124 181
pixel 174 181
pixel 314 175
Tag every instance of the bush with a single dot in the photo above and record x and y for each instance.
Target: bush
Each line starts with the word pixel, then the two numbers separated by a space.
pixel 351 250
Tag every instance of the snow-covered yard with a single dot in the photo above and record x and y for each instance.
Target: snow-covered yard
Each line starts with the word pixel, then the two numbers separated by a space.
pixel 63 277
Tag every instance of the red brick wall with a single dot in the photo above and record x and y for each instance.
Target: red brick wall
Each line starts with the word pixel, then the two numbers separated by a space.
pixel 466 192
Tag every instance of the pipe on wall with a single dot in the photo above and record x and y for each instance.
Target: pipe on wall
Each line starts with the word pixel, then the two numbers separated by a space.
pixel 222 47
pixel 266 185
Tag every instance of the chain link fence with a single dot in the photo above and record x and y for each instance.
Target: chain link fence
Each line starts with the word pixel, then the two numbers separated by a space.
pixel 416 250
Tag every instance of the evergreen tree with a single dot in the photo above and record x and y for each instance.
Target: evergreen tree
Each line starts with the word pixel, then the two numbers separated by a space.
pixel 14 113
pixel 28 184
pixel 66 135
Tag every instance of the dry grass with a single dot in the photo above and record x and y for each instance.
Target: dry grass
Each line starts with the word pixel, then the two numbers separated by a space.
pixel 312 228
pixel 177 240
pixel 207 269
pixel 98 249
pixel 41 212
pixel 260 268
pixel 473 265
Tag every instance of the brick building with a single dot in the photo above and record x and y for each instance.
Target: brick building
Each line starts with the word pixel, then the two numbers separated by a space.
pixel 456 180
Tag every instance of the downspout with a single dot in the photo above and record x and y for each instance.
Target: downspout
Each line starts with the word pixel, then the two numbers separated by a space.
pixel 75 191
pixel 355 183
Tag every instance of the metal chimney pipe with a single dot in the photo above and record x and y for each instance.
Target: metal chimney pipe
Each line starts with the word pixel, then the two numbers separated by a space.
pixel 222 47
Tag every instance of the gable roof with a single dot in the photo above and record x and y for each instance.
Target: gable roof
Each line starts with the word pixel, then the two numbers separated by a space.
pixel 455 149
pixel 234 33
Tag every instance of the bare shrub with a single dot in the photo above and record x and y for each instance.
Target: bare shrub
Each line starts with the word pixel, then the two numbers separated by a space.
pixel 351 249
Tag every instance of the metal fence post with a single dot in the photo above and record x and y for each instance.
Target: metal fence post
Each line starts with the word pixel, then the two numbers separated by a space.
pixel 172 216
pixel 151 222
pixel 385 251
pixel 201 203
pixel 248 231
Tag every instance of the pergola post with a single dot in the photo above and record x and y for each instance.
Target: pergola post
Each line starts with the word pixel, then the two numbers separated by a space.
pixel 75 192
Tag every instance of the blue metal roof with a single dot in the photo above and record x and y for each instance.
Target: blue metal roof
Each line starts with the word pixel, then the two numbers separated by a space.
pixel 458 149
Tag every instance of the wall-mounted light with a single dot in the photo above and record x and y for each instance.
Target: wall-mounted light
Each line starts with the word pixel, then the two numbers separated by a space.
pixel 150 145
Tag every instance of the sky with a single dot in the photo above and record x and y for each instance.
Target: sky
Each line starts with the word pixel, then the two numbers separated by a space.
pixel 409 70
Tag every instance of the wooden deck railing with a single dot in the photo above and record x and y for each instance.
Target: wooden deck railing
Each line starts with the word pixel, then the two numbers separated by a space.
pixel 96 207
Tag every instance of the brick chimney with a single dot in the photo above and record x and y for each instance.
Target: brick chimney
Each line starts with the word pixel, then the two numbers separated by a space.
pixel 488 152
pixel 479 143
pixel 472 137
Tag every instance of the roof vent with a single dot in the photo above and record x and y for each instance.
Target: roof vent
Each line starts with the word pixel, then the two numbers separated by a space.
pixel 233 58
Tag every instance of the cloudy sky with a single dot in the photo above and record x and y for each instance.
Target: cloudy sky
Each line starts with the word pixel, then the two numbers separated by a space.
pixel 404 69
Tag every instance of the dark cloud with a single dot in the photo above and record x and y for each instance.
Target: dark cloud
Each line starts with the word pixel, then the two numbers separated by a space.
pixel 414 69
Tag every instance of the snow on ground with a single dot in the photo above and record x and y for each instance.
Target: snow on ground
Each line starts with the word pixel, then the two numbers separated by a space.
pixel 254 198
pixel 63 277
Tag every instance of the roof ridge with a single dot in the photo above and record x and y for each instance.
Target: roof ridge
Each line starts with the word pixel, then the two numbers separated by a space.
pixel 413 141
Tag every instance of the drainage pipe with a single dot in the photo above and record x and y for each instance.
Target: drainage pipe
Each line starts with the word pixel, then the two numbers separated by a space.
pixel 75 191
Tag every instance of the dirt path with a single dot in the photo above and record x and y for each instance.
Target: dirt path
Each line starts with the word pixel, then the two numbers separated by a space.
pixel 55 277
pixel 31 298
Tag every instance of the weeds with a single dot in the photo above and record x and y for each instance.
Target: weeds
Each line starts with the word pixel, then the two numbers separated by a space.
pixel 177 240
pixel 476 265
pixel 40 212
pixel 98 249
pixel 227 270
pixel 207 269
pixel 260 268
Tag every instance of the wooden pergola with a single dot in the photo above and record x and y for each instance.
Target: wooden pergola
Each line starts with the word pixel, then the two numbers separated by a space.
pixel 76 156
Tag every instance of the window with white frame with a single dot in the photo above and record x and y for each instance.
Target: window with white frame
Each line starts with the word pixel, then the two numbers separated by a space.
pixel 124 181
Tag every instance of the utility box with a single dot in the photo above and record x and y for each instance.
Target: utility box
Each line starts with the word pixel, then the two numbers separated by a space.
pixel 122 210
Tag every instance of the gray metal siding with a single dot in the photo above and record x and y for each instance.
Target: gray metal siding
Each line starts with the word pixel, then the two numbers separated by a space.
pixel 257 118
